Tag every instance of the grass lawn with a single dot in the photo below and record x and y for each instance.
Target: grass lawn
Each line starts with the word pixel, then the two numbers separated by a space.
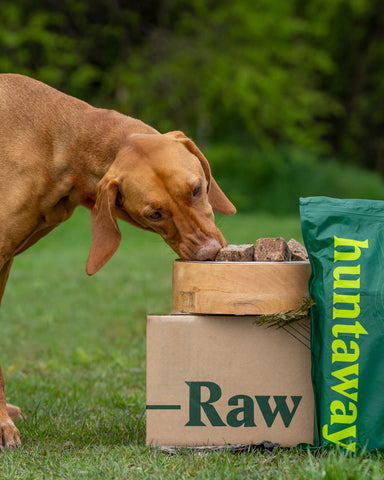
pixel 73 353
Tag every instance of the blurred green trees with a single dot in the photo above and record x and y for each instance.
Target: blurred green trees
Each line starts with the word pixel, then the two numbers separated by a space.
pixel 257 73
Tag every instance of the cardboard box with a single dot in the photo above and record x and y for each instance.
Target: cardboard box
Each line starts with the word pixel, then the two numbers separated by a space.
pixel 239 288
pixel 217 380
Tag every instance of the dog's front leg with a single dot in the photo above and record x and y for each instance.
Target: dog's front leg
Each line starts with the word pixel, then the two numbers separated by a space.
pixel 10 436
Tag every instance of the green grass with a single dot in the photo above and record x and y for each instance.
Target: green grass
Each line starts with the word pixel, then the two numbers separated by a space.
pixel 73 353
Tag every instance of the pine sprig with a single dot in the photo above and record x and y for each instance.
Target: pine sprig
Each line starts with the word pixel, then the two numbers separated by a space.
pixel 280 320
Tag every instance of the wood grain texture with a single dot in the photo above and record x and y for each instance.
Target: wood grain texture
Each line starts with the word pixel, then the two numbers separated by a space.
pixel 233 288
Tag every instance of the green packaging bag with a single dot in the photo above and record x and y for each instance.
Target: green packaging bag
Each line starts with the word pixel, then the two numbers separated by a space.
pixel 345 243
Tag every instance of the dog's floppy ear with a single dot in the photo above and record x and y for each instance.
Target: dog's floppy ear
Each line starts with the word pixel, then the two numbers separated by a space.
pixel 216 196
pixel 106 235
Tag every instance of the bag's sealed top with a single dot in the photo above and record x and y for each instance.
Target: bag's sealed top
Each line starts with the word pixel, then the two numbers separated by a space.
pixel 357 206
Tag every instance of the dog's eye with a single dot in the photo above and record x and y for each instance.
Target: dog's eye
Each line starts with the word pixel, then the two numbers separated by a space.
pixel 119 200
pixel 196 191
pixel 155 216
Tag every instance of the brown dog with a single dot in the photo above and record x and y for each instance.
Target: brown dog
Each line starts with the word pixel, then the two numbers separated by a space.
pixel 57 152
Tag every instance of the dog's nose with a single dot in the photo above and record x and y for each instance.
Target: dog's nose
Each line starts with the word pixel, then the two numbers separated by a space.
pixel 208 251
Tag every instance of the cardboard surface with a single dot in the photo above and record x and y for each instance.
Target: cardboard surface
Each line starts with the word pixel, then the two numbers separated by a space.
pixel 239 288
pixel 216 380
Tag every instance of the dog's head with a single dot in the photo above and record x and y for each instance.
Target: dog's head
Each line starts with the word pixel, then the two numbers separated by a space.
pixel 161 183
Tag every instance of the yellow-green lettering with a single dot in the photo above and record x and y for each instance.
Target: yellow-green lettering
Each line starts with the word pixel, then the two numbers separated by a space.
pixel 340 273
pixel 354 249
pixel 357 329
pixel 349 300
pixel 347 384
pixel 339 412
pixel 336 437
pixel 341 353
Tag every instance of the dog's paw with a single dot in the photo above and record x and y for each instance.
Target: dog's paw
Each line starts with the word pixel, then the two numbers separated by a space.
pixel 10 436
pixel 14 412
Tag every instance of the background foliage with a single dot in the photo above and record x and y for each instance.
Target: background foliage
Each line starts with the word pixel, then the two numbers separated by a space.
pixel 279 88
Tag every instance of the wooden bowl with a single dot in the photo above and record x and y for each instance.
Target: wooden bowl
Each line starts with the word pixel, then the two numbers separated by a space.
pixel 239 288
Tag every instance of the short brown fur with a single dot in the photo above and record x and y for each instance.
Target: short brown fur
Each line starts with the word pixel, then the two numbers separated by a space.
pixel 58 152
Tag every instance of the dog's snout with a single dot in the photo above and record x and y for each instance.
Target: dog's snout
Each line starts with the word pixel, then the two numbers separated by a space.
pixel 208 251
